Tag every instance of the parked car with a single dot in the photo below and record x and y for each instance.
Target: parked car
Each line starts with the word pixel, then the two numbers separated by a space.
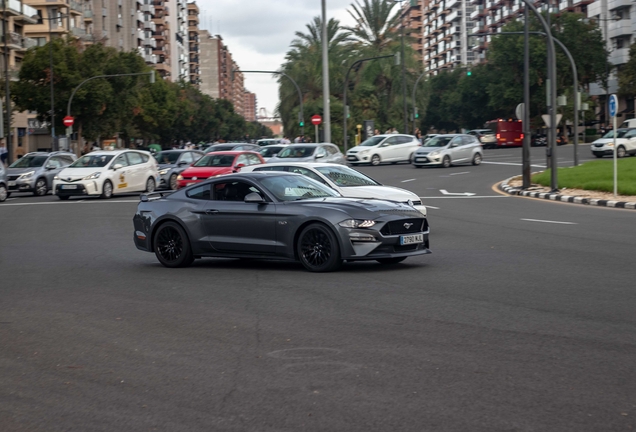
pixel 392 148
pixel 4 189
pixel 272 150
pixel 281 216
pixel 346 181
pixel 486 137
pixel 268 141
pixel 625 144
pixel 107 173
pixel 232 146
pixel 172 163
pixel 217 163
pixel 319 152
pixel 447 150
pixel 34 172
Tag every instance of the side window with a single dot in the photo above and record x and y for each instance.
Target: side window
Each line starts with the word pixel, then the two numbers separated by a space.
pixel 54 162
pixel 630 134
pixel 134 158
pixel 186 157
pixel 404 140
pixel 121 159
pixel 196 156
pixel 242 159
pixel 308 173
pixel 67 160
pixel 390 141
pixel 233 191
pixel 144 157
pixel 199 192
pixel 253 159
pixel 457 141
pixel 321 152
pixel 331 150
pixel 271 168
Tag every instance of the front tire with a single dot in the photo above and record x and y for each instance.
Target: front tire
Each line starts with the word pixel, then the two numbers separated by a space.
pixel 375 160
pixel 172 247
pixel 150 185
pixel 446 162
pixel 318 249
pixel 172 183
pixel 620 152
pixel 390 260
pixel 107 190
pixel 477 159
pixel 4 194
pixel 41 188
pixel 63 197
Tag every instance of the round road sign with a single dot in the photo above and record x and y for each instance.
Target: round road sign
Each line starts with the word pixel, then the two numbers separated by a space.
pixel 68 121
pixel 613 105
pixel 316 120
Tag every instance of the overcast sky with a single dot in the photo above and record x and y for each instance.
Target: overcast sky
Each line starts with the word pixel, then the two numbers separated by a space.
pixel 258 34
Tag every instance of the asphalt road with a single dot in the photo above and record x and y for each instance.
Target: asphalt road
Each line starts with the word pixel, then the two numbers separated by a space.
pixel 522 319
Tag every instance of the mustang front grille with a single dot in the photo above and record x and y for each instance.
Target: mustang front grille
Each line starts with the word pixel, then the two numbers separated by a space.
pixel 404 226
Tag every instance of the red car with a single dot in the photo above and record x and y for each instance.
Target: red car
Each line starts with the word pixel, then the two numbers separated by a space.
pixel 217 163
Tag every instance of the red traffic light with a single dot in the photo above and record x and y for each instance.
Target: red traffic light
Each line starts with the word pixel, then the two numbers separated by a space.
pixel 68 121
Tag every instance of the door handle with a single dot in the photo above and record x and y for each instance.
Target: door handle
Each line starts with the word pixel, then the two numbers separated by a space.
pixel 211 212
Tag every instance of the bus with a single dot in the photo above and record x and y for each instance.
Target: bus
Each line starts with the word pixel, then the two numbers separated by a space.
pixel 509 133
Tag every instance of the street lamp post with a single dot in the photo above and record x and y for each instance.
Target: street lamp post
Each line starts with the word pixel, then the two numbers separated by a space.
pixel 5 34
pixel 403 60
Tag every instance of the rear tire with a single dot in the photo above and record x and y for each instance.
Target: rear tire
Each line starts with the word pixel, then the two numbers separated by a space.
pixel 107 190
pixel 390 260
pixel 477 159
pixel 318 249
pixel 172 247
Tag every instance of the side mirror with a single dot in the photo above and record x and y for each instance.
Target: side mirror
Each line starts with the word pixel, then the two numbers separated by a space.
pixel 238 167
pixel 318 156
pixel 183 163
pixel 50 167
pixel 254 197
pixel 117 166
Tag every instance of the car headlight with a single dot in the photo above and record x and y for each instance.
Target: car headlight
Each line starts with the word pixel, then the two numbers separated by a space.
pixel 364 152
pixel 609 145
pixel 164 171
pixel 356 223
pixel 27 175
pixel 93 176
pixel 56 178
pixel 435 153
pixel 179 177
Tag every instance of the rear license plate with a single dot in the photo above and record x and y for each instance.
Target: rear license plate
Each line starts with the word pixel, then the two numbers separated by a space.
pixel 411 239
pixel 69 186
pixel 11 183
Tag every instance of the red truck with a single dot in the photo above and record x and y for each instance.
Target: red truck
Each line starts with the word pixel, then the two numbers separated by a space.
pixel 509 133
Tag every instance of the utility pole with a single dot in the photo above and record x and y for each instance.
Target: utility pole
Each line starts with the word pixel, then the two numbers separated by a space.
pixel 326 109
pixel 526 100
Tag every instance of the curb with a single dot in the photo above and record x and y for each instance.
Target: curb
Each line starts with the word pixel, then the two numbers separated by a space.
pixel 564 198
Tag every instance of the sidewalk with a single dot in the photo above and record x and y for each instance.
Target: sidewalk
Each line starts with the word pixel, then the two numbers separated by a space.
pixel 512 186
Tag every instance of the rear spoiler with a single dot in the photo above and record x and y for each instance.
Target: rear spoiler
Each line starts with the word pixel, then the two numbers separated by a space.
pixel 154 195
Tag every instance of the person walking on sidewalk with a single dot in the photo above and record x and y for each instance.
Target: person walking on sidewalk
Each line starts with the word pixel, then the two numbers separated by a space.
pixel 4 154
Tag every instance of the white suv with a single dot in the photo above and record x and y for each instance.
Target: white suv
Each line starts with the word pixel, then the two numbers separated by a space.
pixel 104 173
pixel 625 143
pixel 392 148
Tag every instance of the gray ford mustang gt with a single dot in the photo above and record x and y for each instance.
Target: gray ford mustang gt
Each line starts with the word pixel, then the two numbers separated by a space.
pixel 276 215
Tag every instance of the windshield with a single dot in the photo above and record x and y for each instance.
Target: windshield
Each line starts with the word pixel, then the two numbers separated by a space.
pixel 222 147
pixel 345 176
pixel 296 152
pixel 296 187
pixel 620 133
pixel 92 161
pixel 167 157
pixel 215 160
pixel 373 141
pixel 29 162
pixel 437 142
pixel 270 151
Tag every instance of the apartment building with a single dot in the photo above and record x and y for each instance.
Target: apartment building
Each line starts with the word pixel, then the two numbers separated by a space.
pixel 193 44
pixel 411 18
pixel 177 20
pixel 446 29
pixel 249 106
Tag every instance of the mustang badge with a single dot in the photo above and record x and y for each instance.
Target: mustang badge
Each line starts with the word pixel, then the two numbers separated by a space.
pixel 408 225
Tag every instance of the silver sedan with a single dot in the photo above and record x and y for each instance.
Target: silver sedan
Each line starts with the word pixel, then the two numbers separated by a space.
pixel 447 150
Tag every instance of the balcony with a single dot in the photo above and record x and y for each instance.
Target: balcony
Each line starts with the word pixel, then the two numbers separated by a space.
pixel 140 16
pixel 158 35
pixel 148 8
pixel 619 56
pixel 150 42
pixel 88 15
pixel 26 16
pixel 454 16
pixel 619 28
pixel 194 59
pixel 615 4
pixel 149 25
pixel 79 32
pixel 150 58
pixel 76 8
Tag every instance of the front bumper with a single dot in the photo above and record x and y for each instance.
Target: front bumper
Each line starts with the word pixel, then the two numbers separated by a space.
pixel 78 188
pixel 358 158
pixel 17 185
pixel 603 151
pixel 425 159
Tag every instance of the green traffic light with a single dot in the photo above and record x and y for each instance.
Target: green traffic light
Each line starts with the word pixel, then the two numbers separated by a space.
pixel 302 124
pixel 469 73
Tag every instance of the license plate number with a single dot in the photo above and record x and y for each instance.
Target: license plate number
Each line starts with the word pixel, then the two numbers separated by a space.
pixel 411 239
pixel 69 186
pixel 11 183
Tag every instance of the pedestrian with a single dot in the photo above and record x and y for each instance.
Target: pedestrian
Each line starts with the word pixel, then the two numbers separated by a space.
pixel 297 139
pixel 4 154
pixel 394 131
pixel 376 132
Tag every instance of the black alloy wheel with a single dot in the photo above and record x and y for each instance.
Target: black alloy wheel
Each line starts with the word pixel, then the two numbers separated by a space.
pixel 446 162
pixel 172 247
pixel 172 182
pixel 107 190
pixel 318 249
pixel 390 260
pixel 41 188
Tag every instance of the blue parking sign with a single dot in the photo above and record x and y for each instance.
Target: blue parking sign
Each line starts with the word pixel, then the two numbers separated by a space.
pixel 613 105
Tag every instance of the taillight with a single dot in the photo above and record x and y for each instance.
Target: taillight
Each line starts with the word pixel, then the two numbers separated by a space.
pixel 498 136
pixel 521 136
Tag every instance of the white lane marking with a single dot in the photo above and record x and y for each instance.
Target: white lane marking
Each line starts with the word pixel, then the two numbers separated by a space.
pixel 82 201
pixel 445 192
pixel 511 163
pixel 409 180
pixel 465 172
pixel 464 197
pixel 9 199
pixel 430 207
pixel 548 221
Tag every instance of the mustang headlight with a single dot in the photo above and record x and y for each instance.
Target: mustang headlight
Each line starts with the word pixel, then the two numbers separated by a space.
pixel 356 223
pixel 27 175
pixel 164 171
pixel 179 177
pixel 93 176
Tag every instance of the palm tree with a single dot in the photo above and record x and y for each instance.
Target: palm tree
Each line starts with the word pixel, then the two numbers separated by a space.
pixel 376 27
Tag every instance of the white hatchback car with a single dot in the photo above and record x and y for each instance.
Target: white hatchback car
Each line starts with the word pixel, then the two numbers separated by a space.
pixel 392 148
pixel 625 144
pixel 104 173
pixel 346 181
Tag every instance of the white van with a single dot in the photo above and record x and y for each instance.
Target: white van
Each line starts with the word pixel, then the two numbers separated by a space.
pixel 630 123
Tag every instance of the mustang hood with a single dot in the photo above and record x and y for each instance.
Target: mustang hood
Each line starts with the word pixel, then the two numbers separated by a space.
pixel 362 208
pixel 205 172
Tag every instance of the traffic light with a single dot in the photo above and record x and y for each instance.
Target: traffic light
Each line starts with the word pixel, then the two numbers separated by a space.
pixel 417 114
pixel 469 72
pixel 347 113
pixel 302 123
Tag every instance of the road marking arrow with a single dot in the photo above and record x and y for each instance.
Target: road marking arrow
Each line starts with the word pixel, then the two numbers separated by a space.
pixel 445 192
